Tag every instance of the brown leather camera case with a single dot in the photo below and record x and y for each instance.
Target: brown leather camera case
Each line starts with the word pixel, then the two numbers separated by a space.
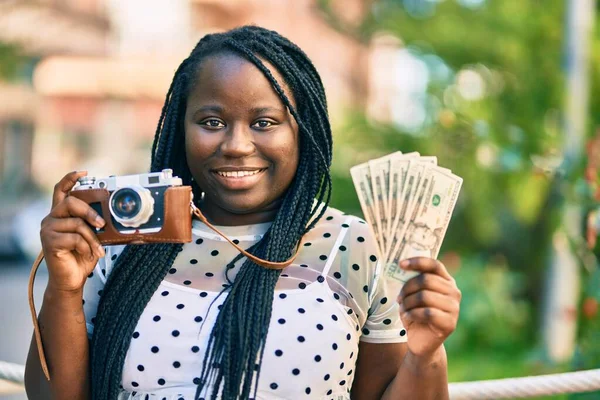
pixel 177 226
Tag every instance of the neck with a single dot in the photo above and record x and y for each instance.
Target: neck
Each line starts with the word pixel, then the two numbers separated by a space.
pixel 220 216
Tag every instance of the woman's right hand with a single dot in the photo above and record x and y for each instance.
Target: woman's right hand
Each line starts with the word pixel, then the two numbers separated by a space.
pixel 70 247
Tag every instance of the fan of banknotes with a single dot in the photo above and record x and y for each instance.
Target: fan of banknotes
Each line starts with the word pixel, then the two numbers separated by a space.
pixel 408 201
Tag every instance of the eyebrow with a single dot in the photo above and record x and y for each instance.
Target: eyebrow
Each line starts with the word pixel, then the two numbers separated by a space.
pixel 255 110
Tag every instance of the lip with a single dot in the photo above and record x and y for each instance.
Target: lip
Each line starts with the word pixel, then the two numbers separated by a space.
pixel 229 168
pixel 238 183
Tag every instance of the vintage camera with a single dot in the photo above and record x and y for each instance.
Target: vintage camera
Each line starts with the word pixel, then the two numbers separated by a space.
pixel 152 207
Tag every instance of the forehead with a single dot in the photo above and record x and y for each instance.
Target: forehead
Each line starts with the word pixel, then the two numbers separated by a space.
pixel 229 77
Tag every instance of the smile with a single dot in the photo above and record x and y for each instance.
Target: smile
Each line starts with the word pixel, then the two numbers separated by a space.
pixel 239 179
pixel 237 174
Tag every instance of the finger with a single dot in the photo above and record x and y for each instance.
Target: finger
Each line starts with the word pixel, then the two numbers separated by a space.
pixel 64 186
pixel 442 320
pixel 71 242
pixel 425 264
pixel 428 298
pixel 427 281
pixel 74 207
pixel 77 225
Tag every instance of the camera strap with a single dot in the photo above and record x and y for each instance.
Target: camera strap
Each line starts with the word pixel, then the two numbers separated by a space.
pixel 195 211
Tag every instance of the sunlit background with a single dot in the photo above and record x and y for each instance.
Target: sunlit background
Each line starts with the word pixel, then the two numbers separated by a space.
pixel 502 92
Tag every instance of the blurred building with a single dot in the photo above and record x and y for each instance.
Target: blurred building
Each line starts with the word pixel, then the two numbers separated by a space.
pixel 100 69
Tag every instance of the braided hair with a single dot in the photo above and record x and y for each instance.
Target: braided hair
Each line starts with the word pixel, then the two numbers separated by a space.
pixel 239 334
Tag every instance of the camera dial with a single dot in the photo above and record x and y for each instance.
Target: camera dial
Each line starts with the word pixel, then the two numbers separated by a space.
pixel 131 206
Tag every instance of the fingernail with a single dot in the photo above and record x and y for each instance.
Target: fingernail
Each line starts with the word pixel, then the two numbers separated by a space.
pixel 100 221
pixel 404 264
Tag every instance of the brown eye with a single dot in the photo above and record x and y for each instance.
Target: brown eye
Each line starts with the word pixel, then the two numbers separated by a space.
pixel 212 123
pixel 262 124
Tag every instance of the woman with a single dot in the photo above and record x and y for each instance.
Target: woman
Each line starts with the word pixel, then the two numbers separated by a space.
pixel 245 124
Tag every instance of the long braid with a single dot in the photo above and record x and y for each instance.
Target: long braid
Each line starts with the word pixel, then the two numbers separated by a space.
pixel 232 363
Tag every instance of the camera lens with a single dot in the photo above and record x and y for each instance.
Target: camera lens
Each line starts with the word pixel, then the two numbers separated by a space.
pixel 126 203
pixel 132 206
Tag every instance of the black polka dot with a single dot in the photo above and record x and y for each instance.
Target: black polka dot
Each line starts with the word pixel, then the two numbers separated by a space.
pixel 350 311
pixel 318 358
pixel 136 335
pixel 284 275
pixel 156 318
pixel 329 392
pixel 281 321
pixel 342 383
pixel 345 226
pixel 342 366
pixel 196 381
pixel 195 349
pixel 307 390
pixel 329 218
pixel 304 265
pixel 199 241
pixel 161 382
pixel 337 275
pixel 198 318
pixel 320 327
pixel 334 317
pixel 357 328
pixel 214 253
pixel 209 274
pixel 326 377
pixel 321 279
pixel 176 364
pixel 327 234
pixel 203 294
pixel 154 349
pixel 366 289
pixel 165 293
pixel 296 371
pixel 282 295
pixel 366 331
pixel 348 336
pixel 187 282
pixel 351 354
pixel 334 346
pixel 83 302
pixel 274 386
pixel 193 261
pixel 355 267
pixel 140 368
pixel 373 258
pixel 301 310
pixel 172 270
pixel 343 248
pixel 180 306
pixel 302 285
pixel 100 292
pixel 383 300
pixel 360 239
pixel 135 384
pixel 320 300
pixel 301 339
pixel 175 333
pixel 336 296
pixel 278 353
pixel 220 306
pixel 387 321
pixel 114 257
pixel 349 373
pixel 307 244
pixel 402 332
pixel 103 272
pixel 91 275
pixel 323 257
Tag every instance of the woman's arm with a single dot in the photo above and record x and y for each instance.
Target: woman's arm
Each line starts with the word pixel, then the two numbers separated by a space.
pixel 64 335
pixel 391 371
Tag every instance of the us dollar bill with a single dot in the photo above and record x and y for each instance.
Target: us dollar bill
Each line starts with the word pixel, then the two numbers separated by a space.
pixel 361 177
pixel 428 222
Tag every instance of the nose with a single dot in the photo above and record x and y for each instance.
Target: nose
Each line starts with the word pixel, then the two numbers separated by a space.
pixel 238 142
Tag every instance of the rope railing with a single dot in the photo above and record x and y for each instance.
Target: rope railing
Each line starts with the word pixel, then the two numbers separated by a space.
pixel 510 388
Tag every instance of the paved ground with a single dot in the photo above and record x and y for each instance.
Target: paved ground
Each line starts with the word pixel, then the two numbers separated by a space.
pixel 15 320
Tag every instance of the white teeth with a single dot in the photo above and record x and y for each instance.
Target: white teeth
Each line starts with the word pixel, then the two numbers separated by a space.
pixel 237 174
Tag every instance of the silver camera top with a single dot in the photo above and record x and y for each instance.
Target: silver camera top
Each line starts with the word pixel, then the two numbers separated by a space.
pixel 112 183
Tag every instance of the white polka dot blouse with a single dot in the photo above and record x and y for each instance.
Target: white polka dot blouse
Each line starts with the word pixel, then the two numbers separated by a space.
pixel 329 299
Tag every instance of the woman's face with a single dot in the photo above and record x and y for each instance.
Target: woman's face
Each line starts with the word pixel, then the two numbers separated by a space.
pixel 241 142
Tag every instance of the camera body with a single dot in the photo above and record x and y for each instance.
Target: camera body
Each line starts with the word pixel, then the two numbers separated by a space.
pixel 142 208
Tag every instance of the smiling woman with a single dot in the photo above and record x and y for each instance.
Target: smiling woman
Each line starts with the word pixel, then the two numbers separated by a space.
pixel 245 124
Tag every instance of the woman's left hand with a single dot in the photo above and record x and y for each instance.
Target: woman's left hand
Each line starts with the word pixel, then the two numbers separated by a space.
pixel 429 305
